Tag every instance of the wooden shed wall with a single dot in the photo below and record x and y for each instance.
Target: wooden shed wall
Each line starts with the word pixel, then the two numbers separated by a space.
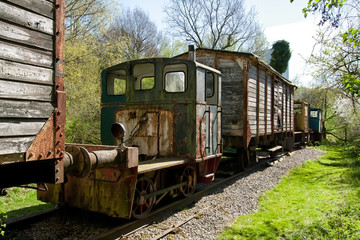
pixel 26 71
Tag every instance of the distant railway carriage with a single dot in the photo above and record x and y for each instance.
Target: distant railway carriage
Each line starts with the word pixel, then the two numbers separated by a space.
pixel 315 124
pixel 257 102
pixel 302 131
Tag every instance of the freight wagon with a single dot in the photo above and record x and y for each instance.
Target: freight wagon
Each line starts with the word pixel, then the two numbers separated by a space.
pixel 257 103
pixel 32 97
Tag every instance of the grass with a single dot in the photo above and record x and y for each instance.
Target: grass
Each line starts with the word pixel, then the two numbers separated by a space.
pixel 21 201
pixel 318 200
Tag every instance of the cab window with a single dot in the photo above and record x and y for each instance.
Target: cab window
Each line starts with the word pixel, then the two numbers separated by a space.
pixel 144 76
pixel 209 82
pixel 175 78
pixel 116 83
pixel 313 114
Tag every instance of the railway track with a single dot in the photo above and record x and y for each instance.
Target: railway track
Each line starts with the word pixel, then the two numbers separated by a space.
pixel 121 232
pixel 120 229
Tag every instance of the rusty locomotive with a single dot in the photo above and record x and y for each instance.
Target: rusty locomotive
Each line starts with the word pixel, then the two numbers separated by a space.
pixel 165 122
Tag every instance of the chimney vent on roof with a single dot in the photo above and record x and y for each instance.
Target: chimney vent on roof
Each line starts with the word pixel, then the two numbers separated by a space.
pixel 192 53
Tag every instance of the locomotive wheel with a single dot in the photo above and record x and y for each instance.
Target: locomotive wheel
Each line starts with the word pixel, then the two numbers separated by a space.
pixel 188 175
pixel 141 205
pixel 243 157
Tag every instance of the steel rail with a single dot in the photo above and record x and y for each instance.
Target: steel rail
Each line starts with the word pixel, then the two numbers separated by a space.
pixel 122 231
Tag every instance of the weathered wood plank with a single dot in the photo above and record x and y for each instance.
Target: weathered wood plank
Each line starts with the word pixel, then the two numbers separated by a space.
pixel 39 6
pixel 232 132
pixel 25 109
pixel 25 91
pixel 17 128
pixel 25 18
pixel 27 73
pixel 22 35
pixel 15 145
pixel 25 55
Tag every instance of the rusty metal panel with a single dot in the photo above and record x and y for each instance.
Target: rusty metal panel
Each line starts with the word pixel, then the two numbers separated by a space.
pixel 109 191
pixel 200 131
pixel 152 130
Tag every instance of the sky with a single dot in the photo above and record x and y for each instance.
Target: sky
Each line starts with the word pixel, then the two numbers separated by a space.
pixel 280 20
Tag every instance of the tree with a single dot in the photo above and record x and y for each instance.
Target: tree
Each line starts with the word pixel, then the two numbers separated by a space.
pixel 87 52
pixel 330 10
pixel 337 58
pixel 139 34
pixel 280 56
pixel 171 49
pixel 213 24
pixel 84 17
pixel 338 114
pixel 337 63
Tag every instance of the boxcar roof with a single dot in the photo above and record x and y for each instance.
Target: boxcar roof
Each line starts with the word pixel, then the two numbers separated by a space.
pixel 251 56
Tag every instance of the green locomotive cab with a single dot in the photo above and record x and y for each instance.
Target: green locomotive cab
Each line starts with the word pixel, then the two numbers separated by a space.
pixel 170 111
pixel 161 135
pixel 168 107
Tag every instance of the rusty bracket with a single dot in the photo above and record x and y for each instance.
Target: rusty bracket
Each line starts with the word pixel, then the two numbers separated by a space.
pixel 60 69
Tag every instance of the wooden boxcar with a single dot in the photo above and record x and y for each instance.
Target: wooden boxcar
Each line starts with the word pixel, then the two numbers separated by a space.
pixel 257 101
pixel 32 109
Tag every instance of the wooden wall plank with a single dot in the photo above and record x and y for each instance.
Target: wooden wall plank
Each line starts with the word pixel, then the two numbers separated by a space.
pixel 24 72
pixel 25 18
pixel 25 36
pixel 17 128
pixel 40 6
pixel 25 91
pixel 15 145
pixel 25 55
pixel 25 109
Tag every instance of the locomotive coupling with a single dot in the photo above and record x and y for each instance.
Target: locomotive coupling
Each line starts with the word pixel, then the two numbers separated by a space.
pixel 79 162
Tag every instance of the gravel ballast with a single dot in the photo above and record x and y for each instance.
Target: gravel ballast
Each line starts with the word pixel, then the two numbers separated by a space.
pixel 218 210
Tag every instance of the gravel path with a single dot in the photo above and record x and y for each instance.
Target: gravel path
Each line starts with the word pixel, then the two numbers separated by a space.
pixel 218 210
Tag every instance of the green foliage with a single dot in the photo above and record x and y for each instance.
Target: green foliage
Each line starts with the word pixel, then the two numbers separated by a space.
pixel 351 83
pixel 2 225
pixel 82 85
pixel 305 205
pixel 88 51
pixel 280 56
pixel 173 48
pixel 351 36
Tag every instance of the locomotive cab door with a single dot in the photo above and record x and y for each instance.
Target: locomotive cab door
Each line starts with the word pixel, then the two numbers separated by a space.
pixel 208 93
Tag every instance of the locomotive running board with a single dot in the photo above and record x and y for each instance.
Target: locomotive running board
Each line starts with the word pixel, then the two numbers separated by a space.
pixel 160 163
